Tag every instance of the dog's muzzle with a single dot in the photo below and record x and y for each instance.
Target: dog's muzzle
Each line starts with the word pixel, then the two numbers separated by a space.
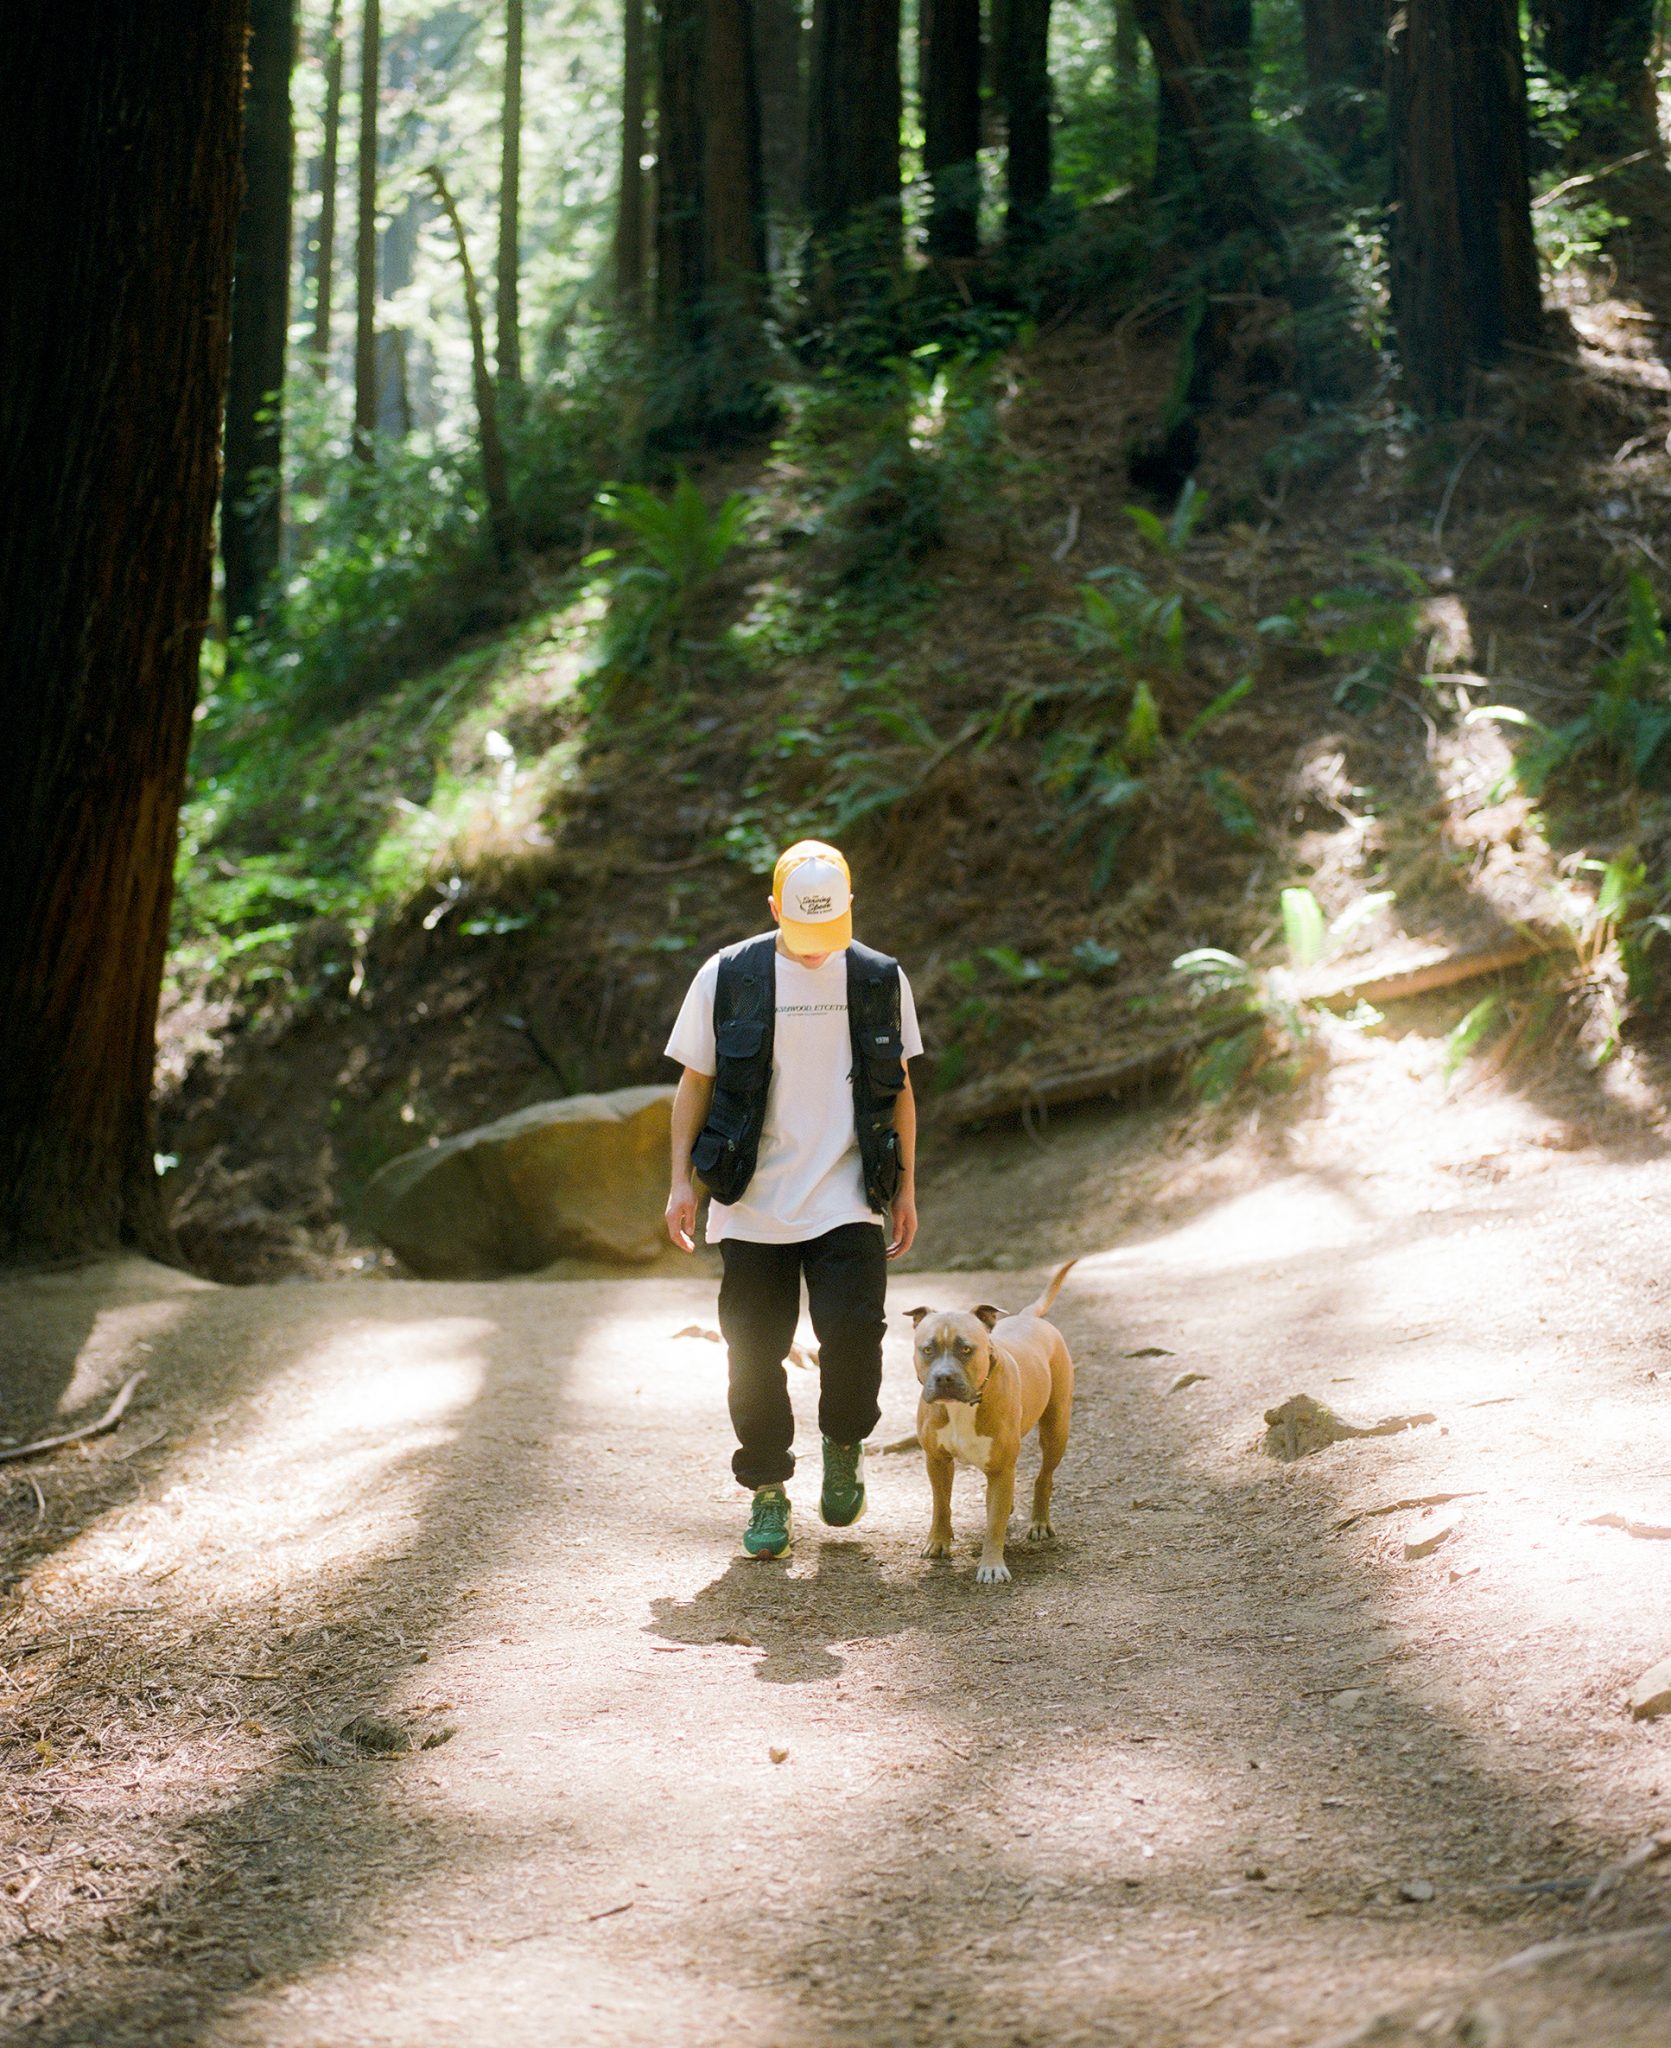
pixel 946 1384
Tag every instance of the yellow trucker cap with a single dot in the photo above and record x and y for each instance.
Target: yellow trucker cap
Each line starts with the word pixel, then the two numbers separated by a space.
pixel 814 895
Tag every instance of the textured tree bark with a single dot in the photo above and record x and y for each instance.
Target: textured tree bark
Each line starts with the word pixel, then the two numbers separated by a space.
pixel 1345 55
pixel 495 480
pixel 779 66
pixel 853 114
pixel 710 243
pixel 1464 265
pixel 507 298
pixel 949 89
pixel 252 508
pixel 1606 48
pixel 325 253
pixel 629 200
pixel 119 158
pixel 365 238
pixel 1201 52
pixel 1025 74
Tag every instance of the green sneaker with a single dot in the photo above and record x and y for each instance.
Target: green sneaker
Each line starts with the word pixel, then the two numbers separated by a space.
pixel 767 1534
pixel 842 1500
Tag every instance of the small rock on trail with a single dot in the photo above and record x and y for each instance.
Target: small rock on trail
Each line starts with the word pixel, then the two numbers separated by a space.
pixel 1300 1426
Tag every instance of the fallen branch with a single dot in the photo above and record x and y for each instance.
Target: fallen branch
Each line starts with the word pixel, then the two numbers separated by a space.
pixel 108 1420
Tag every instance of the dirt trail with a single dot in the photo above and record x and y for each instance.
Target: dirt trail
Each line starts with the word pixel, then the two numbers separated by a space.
pixel 1166 1788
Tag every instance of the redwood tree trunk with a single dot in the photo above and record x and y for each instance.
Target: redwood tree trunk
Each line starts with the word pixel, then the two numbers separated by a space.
pixel 1346 56
pixel 1024 72
pixel 949 88
pixel 853 113
pixel 711 259
pixel 629 202
pixel 119 160
pixel 251 499
pixel 365 239
pixel 1204 131
pixel 1464 266
pixel 779 66
pixel 325 254
pixel 1606 49
pixel 507 306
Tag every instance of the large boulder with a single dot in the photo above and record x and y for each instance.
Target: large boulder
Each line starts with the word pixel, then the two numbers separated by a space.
pixel 585 1177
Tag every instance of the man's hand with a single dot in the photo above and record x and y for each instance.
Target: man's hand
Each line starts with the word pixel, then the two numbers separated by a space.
pixel 904 1211
pixel 681 1215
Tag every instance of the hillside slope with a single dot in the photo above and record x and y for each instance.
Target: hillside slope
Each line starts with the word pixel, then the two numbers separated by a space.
pixel 1064 740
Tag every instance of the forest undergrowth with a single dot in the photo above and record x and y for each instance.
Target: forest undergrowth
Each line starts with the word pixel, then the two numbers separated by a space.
pixel 1116 770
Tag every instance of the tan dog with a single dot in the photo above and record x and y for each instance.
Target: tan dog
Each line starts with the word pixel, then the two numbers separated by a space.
pixel 987 1379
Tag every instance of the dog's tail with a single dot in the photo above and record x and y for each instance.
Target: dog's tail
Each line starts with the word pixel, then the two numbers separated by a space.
pixel 1042 1305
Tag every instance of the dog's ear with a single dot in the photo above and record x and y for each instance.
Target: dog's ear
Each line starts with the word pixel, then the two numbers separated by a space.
pixel 986 1313
pixel 916 1314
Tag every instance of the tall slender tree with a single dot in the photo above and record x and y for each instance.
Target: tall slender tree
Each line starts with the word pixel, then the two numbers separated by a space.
pixel 495 479
pixel 1464 270
pixel 1204 132
pixel 1024 73
pixel 780 70
pixel 1605 48
pixel 710 243
pixel 1128 51
pixel 1345 56
pixel 629 198
pixel 365 236
pixel 949 90
pixel 853 188
pixel 251 501
pixel 119 159
pixel 508 302
pixel 325 240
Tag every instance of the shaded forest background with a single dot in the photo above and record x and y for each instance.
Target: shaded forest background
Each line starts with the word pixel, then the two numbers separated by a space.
pixel 1175 486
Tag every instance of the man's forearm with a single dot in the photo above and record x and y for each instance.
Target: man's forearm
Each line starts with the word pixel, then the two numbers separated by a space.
pixel 690 1112
pixel 905 1128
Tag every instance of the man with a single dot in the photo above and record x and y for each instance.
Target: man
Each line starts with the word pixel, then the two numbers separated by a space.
pixel 796 1114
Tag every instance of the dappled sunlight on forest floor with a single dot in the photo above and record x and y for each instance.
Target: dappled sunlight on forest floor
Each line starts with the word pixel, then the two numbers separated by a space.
pixel 393 1663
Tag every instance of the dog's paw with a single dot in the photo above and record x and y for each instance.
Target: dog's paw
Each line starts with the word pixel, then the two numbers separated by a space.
pixel 1041 1532
pixel 992 1574
pixel 938 1546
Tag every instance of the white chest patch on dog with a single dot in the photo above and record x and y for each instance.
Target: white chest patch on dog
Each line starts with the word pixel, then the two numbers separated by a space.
pixel 959 1437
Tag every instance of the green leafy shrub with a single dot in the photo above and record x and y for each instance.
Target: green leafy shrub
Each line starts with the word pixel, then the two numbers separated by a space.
pixel 678 546
pixel 1626 725
pixel 1260 1013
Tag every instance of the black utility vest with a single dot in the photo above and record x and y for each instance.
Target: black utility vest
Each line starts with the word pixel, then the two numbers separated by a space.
pixel 745 1016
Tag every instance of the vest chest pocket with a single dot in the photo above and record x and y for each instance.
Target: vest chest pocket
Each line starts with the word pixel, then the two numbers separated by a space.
pixel 884 1062
pixel 737 1051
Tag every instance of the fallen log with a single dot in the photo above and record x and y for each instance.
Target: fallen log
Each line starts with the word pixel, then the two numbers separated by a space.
pixel 986 1102
pixel 1445 972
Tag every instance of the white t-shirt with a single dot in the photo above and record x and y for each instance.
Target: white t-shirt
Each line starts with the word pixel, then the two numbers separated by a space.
pixel 808 1178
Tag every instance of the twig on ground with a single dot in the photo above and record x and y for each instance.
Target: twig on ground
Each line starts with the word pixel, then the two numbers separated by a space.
pixel 108 1420
pixel 1455 478
pixel 1394 1507
pixel 1650 1530
pixel 1649 1850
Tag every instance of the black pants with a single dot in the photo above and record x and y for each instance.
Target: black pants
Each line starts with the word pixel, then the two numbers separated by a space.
pixel 759 1302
